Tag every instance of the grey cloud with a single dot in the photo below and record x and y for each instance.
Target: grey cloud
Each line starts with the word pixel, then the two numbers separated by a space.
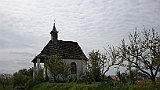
pixel 24 63
pixel 25 54
pixel 25 25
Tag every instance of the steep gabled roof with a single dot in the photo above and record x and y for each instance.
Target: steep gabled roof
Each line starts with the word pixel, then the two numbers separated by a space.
pixel 66 49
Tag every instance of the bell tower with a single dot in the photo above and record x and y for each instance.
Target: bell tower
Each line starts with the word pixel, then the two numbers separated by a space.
pixel 54 34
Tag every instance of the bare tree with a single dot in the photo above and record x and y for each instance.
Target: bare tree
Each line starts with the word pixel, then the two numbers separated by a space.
pixel 109 59
pixel 100 63
pixel 143 52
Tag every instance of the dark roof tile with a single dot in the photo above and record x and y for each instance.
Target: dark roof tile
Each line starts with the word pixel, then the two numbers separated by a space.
pixel 66 49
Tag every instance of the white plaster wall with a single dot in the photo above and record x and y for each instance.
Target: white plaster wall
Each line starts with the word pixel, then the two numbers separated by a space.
pixel 81 65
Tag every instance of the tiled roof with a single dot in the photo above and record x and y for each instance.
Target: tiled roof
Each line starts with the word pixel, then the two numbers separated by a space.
pixel 66 49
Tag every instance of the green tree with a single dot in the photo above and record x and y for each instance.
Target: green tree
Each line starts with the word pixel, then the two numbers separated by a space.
pixel 39 76
pixel 5 80
pixel 143 52
pixel 122 77
pixel 94 65
pixel 100 63
pixel 21 77
pixel 57 67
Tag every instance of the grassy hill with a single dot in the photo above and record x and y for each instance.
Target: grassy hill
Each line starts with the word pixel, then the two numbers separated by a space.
pixel 94 86
pixel 64 86
pixel 8 87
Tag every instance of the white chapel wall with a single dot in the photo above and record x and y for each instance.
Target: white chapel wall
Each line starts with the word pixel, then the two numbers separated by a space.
pixel 81 65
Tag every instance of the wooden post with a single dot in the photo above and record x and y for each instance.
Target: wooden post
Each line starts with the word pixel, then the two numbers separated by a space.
pixel 44 72
pixel 82 66
pixel 38 64
pixel 34 70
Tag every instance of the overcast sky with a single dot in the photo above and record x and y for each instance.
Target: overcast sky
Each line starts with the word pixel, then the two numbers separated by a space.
pixel 25 25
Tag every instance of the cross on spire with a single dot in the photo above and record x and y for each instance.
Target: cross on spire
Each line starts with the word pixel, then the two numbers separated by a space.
pixel 54 22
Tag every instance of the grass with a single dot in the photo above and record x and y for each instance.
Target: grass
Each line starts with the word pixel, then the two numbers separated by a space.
pixel 63 86
pixel 8 87
pixel 94 86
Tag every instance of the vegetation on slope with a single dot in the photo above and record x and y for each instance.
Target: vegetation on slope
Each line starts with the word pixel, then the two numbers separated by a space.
pixel 94 86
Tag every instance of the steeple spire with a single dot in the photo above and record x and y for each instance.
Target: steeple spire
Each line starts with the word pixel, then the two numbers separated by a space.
pixel 54 22
pixel 54 27
pixel 54 34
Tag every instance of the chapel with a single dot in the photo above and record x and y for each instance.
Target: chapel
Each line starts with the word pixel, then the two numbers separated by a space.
pixel 70 52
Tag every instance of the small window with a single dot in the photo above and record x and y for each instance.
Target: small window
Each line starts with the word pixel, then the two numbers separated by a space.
pixel 73 68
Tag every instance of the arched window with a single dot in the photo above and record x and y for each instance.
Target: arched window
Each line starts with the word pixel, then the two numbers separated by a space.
pixel 73 68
